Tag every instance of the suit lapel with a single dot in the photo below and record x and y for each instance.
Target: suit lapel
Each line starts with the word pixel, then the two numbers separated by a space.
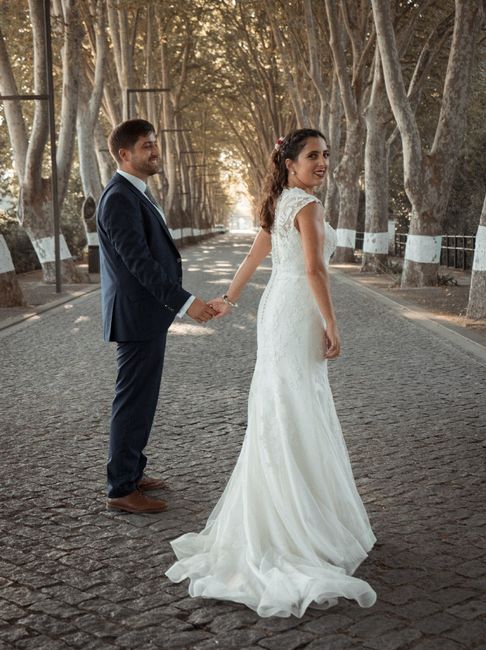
pixel 118 178
pixel 159 217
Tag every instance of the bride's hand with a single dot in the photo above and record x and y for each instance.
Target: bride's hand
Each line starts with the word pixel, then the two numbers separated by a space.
pixel 220 306
pixel 332 342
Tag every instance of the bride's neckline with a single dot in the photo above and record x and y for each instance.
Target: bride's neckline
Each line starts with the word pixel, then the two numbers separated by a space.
pixel 289 189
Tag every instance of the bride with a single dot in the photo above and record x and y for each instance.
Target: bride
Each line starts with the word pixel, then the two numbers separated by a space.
pixel 290 528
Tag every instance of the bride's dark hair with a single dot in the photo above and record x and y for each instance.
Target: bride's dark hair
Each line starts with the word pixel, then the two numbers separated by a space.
pixel 290 147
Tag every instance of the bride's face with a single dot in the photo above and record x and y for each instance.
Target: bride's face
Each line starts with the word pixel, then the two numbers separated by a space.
pixel 309 169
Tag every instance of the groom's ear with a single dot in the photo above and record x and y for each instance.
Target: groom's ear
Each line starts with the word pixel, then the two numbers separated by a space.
pixel 123 154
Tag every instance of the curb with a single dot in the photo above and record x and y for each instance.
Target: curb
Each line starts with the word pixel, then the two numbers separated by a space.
pixel 41 309
pixel 421 317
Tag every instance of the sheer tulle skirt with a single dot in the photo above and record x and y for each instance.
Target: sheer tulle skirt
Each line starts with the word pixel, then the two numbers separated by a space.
pixel 290 528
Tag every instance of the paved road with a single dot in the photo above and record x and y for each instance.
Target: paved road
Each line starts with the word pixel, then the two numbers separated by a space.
pixel 73 575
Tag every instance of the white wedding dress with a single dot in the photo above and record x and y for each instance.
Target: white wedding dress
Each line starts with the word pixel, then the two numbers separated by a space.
pixel 290 527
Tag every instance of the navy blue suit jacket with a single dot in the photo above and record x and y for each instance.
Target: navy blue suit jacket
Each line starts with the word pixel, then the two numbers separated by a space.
pixel 140 266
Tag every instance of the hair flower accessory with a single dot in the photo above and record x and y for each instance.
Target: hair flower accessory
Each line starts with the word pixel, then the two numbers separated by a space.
pixel 278 143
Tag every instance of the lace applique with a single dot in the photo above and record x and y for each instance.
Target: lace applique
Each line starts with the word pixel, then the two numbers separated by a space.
pixel 290 202
pixel 287 252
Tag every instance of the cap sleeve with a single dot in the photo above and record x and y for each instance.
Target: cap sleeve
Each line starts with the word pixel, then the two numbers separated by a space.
pixel 291 202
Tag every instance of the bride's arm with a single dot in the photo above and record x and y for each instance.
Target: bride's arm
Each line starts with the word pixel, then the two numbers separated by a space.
pixel 310 223
pixel 261 247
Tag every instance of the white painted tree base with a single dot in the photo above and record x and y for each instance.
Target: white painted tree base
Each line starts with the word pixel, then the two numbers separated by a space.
pixel 45 250
pixel 376 243
pixel 424 249
pixel 346 238
pixel 6 263
pixel 479 262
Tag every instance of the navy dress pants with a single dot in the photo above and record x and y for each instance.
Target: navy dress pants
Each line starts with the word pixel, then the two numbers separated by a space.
pixel 140 366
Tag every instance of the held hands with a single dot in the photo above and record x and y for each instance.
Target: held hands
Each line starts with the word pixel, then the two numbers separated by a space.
pixel 201 312
pixel 332 343
pixel 220 306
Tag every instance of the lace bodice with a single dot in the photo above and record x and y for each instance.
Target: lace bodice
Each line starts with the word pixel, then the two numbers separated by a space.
pixel 287 252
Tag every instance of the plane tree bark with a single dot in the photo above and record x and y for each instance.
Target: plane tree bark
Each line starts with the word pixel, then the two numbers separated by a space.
pixel 351 21
pixel 476 307
pixel 428 175
pixel 380 149
pixel 10 291
pixel 90 95
pixel 35 205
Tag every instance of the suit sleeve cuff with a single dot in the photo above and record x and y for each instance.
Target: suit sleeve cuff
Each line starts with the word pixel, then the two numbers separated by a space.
pixel 186 306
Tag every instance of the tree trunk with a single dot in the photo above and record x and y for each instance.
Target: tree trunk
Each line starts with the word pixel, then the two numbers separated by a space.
pixel 289 71
pixel 422 250
pixel 89 102
pixel 16 126
pixel 169 154
pixel 376 239
pixel 315 66
pixel 106 164
pixel 348 171
pixel 10 291
pixel 347 175
pixel 428 176
pixel 35 216
pixel 73 34
pixel 123 36
pixel 88 161
pixel 331 203
pixel 35 210
pixel 476 307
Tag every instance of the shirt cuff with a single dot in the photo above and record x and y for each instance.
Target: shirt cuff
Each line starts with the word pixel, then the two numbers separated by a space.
pixel 186 306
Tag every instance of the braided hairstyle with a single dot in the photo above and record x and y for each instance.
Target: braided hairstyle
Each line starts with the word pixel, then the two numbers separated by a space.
pixel 288 147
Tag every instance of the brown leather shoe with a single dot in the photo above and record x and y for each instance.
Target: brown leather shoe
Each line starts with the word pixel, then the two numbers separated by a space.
pixel 136 501
pixel 148 483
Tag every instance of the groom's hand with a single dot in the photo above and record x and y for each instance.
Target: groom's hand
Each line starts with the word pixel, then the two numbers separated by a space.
pixel 200 311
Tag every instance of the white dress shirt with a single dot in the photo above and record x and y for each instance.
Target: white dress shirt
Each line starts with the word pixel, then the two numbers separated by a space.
pixel 141 187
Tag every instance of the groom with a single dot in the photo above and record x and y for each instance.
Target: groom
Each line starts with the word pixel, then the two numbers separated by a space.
pixel 141 294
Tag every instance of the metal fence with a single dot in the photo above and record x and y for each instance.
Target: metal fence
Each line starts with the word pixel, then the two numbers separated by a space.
pixel 457 251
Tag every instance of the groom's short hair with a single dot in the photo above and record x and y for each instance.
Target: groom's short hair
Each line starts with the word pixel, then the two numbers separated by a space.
pixel 126 134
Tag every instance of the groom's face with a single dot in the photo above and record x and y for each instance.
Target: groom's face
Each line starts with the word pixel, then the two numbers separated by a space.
pixel 143 159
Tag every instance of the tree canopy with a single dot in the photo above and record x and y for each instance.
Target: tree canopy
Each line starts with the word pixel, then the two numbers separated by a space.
pixel 242 73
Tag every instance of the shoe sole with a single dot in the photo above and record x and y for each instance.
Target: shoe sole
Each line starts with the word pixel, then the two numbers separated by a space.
pixel 135 512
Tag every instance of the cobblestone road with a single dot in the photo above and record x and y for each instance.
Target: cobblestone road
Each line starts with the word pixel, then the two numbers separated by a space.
pixel 413 411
